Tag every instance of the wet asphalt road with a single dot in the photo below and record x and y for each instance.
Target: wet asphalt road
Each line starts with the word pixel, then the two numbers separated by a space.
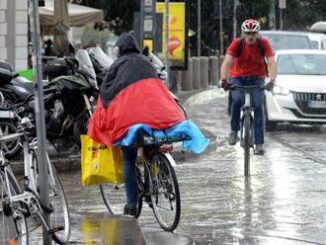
pixel 283 202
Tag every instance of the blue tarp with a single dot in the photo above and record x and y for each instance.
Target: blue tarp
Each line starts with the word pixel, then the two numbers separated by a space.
pixel 196 144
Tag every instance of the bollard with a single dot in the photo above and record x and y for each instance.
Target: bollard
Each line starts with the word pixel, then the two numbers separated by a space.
pixel 214 70
pixel 204 72
pixel 196 72
pixel 187 78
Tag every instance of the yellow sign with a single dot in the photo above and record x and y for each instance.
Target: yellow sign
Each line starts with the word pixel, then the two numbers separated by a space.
pixel 177 29
pixel 149 43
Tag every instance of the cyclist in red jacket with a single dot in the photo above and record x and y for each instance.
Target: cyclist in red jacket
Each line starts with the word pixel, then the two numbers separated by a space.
pixel 245 63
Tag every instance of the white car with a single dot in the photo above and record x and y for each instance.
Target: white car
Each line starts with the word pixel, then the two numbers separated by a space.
pixel 318 40
pixel 299 94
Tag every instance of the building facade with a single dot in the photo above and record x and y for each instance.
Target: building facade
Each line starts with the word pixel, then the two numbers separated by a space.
pixel 14 33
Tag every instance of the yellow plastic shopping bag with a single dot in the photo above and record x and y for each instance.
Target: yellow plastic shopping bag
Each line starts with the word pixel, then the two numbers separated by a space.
pixel 100 164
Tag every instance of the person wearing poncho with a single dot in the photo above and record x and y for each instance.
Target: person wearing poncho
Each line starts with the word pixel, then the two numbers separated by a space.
pixel 131 93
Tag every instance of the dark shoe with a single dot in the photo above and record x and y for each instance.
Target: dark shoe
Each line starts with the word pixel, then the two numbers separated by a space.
pixel 259 149
pixel 129 210
pixel 233 138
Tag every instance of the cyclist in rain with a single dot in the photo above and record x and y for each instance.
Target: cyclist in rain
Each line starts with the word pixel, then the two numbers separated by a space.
pixel 131 93
pixel 245 63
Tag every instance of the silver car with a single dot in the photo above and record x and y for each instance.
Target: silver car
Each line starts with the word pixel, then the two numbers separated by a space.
pixel 299 94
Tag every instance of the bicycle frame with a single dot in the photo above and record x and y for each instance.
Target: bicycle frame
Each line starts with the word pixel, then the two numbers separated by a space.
pixel 246 129
pixel 247 110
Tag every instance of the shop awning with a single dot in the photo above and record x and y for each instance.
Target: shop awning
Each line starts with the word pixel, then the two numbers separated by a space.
pixel 78 15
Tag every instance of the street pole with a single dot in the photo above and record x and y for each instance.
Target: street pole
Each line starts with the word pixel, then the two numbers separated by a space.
pixel 198 27
pixel 281 6
pixel 221 28
pixel 39 115
pixel 235 5
pixel 167 41
pixel 272 14
pixel 281 19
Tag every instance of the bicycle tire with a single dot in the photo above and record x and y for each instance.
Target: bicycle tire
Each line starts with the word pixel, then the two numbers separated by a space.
pixel 247 134
pixel 9 224
pixel 60 217
pixel 10 148
pixel 114 196
pixel 59 223
pixel 163 184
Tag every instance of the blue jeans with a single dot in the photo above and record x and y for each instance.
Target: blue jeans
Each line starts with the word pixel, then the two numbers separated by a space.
pixel 257 101
pixel 129 174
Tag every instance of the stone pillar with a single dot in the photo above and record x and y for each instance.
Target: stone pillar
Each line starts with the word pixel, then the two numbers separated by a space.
pixel 196 72
pixel 3 30
pixel 14 32
pixel 214 70
pixel 21 32
pixel 187 77
pixel 204 72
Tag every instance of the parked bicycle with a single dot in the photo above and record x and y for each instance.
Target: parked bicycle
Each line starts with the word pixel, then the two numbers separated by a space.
pixel 246 124
pixel 17 205
pixel 157 183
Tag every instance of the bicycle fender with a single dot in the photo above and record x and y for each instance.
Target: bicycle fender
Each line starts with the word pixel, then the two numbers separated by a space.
pixel 171 160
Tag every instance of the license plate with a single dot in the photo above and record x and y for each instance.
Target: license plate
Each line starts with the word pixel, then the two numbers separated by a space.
pixel 316 104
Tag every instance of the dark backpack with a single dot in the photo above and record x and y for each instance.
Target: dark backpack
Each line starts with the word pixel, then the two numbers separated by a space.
pixel 260 48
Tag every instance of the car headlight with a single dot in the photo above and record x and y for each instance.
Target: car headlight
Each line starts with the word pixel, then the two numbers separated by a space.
pixel 277 90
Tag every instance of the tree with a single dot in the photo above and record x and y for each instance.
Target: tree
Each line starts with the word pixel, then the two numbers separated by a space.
pixel 299 15
pixel 118 13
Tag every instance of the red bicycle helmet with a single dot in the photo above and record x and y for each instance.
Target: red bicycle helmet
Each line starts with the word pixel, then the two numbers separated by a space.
pixel 250 26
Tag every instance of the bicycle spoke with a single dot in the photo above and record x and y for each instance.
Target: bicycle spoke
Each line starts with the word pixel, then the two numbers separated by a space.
pixel 164 191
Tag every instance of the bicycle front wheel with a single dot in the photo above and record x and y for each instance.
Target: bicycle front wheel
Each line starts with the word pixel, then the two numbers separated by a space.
pixel 13 225
pixel 164 190
pixel 60 226
pixel 246 138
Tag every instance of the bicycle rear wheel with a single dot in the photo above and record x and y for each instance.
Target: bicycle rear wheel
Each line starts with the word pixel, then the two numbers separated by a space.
pixel 246 147
pixel 13 225
pixel 164 190
pixel 114 196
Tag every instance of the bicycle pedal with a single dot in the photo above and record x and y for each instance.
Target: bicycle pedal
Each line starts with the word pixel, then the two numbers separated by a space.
pixel 56 229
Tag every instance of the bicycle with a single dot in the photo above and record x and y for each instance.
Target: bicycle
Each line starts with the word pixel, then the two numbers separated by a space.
pixel 156 180
pixel 246 124
pixel 17 206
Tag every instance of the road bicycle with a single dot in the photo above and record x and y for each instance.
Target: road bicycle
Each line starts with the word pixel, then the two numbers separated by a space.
pixel 246 124
pixel 16 206
pixel 156 180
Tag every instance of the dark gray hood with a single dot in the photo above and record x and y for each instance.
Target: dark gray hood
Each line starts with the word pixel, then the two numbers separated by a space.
pixel 127 44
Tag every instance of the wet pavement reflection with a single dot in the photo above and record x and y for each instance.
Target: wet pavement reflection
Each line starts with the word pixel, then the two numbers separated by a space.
pixel 283 202
pixel 103 229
